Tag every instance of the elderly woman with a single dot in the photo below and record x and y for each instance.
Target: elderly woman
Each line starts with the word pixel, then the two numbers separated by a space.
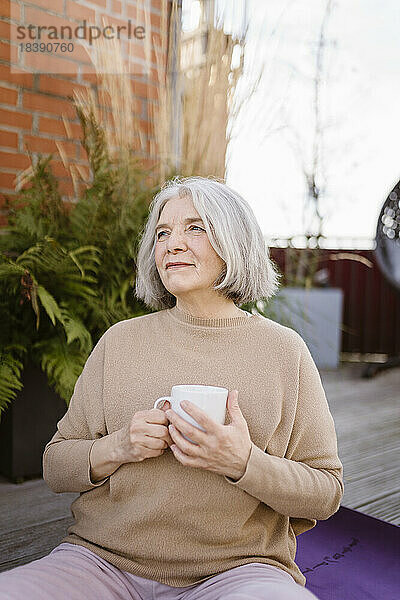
pixel 159 516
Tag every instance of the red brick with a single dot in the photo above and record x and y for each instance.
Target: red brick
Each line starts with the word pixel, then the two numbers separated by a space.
pixel 15 119
pixel 146 127
pixel 60 171
pixel 52 64
pixel 8 138
pixel 5 30
pixel 5 8
pixel 58 168
pixel 137 106
pixel 115 21
pixel 58 86
pixel 79 12
pixel 89 77
pixel 82 153
pixel 47 104
pixel 84 170
pixel 48 146
pixel 137 69
pixel 5 51
pixel 15 11
pixel 56 127
pixel 36 16
pixel 7 180
pixel 89 74
pixel 66 188
pixel 156 41
pixel 155 20
pixel 140 18
pixel 19 78
pixel 138 15
pixel 56 6
pixel 136 50
pixel 14 160
pixel 116 6
pixel 53 126
pixel 143 90
pixel 8 96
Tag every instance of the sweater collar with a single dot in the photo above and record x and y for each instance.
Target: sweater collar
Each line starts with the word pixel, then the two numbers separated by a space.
pixel 184 317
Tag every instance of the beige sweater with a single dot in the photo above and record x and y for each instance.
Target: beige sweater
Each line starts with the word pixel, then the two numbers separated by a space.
pixel 180 525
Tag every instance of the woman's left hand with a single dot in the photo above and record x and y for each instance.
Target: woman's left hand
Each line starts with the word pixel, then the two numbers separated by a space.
pixel 223 449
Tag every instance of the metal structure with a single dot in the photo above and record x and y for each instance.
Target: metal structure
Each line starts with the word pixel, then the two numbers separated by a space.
pixel 387 254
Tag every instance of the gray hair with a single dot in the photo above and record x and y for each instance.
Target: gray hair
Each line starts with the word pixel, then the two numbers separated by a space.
pixel 234 233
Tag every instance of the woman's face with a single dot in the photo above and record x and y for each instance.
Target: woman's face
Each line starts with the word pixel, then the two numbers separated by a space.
pixel 179 240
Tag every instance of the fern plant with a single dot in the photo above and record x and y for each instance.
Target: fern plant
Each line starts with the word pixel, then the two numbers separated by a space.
pixel 67 275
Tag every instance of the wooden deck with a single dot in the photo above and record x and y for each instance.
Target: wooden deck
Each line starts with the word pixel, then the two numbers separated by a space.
pixel 33 519
pixel 367 420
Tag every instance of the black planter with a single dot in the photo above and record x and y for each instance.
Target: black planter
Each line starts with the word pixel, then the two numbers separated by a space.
pixel 26 426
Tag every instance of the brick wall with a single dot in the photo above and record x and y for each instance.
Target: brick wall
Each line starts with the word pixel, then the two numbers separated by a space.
pixel 34 88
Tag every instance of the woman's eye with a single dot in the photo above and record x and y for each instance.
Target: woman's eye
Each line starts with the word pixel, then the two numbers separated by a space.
pixel 192 227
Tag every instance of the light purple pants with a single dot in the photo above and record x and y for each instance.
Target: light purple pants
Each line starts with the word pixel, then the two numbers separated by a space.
pixel 73 572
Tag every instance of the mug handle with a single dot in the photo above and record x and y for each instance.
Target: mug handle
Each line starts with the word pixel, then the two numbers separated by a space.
pixel 163 399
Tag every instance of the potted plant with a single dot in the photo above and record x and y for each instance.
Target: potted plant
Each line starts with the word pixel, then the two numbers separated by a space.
pixel 65 277
pixel 307 303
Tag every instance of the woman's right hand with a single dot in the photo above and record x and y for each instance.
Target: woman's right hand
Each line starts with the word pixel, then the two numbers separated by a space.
pixel 145 436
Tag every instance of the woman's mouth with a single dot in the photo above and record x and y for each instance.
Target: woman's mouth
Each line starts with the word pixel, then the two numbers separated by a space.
pixel 178 266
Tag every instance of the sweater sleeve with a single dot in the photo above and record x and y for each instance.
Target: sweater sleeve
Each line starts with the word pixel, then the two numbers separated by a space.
pixel 66 466
pixel 308 481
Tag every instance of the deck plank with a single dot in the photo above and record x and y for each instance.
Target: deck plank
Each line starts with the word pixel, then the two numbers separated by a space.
pixel 31 543
pixel 33 519
pixel 366 413
pixel 31 503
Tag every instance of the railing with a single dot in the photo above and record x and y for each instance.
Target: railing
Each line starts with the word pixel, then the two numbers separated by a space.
pixel 371 306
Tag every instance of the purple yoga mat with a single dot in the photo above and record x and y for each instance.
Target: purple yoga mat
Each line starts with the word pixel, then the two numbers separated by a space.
pixel 351 556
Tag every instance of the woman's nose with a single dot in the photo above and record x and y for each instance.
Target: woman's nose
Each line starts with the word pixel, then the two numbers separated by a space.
pixel 176 240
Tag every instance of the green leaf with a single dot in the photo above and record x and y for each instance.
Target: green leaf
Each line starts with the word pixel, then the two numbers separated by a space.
pixel 49 304
pixel 10 270
pixel 62 363
pixel 75 329
pixel 10 376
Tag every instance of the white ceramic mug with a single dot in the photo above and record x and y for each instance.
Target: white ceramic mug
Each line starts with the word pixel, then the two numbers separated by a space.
pixel 209 398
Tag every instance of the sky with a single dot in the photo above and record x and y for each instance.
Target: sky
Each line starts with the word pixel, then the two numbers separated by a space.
pixel 359 109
